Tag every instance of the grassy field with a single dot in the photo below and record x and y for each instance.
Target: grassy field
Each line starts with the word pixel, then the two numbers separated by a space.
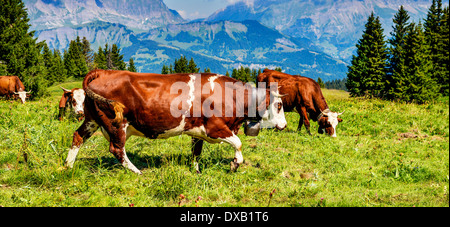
pixel 386 154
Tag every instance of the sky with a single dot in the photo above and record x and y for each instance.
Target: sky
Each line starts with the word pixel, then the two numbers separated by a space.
pixel 194 9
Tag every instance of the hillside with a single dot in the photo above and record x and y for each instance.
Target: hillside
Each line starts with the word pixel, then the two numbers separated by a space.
pixel 218 45
pixel 137 15
pixel 334 26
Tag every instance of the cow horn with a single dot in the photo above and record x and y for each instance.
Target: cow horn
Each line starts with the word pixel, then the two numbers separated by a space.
pixel 28 92
pixel 65 89
pixel 278 95
pixel 325 112
pixel 339 114
pixel 16 93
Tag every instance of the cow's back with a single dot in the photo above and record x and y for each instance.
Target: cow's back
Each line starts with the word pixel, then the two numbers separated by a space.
pixel 300 91
pixel 7 84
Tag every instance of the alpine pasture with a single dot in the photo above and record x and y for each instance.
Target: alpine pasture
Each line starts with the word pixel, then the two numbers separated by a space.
pixel 386 154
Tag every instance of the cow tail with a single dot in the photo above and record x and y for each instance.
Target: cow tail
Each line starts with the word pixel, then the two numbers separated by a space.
pixel 117 106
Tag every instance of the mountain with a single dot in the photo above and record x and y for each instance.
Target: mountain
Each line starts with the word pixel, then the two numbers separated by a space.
pixel 333 25
pixel 138 15
pixel 247 43
pixel 154 35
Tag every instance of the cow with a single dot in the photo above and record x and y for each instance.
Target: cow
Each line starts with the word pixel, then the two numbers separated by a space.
pixel 304 96
pixel 124 104
pixel 72 98
pixel 11 86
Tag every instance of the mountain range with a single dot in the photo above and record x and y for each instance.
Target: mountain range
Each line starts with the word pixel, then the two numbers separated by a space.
pixel 311 38
pixel 333 25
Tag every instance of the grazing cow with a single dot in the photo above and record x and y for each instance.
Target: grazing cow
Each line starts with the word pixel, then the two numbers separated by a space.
pixel 304 96
pixel 11 86
pixel 73 98
pixel 123 104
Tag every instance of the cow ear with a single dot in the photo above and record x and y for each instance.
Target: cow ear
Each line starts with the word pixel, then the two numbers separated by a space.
pixel 62 102
pixel 339 120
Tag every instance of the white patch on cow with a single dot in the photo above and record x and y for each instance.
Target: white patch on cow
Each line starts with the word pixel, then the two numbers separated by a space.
pixel 200 133
pixel 175 131
pixel 73 152
pixel 91 127
pixel 131 131
pixel 333 120
pixel 235 142
pixel 22 95
pixel 79 96
pixel 191 97
pixel 211 81
pixel 127 163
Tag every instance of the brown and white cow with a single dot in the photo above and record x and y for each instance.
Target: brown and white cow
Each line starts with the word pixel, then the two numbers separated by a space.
pixel 304 96
pixel 73 98
pixel 125 104
pixel 11 86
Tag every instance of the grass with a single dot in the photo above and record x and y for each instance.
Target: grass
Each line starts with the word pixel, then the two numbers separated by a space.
pixel 386 154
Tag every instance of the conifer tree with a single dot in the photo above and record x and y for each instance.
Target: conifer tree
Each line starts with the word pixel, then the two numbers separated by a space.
pixel 131 66
pixel 117 58
pixel 435 37
pixel 58 70
pixel 395 79
pixel 87 53
pixel 20 54
pixel 100 59
pixel 419 86
pixel 192 67
pixel 367 72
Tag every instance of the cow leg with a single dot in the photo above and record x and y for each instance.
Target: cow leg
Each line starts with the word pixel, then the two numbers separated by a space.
pixel 197 146
pixel 304 118
pixel 235 142
pixel 83 133
pixel 300 122
pixel 117 148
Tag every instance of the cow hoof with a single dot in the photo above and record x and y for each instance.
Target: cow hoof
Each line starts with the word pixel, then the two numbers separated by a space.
pixel 234 166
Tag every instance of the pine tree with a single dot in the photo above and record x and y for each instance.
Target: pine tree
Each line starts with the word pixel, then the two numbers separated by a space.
pixel 74 60
pixel 100 59
pixel 165 70
pixel 444 53
pixel 117 58
pixel 435 37
pixel 87 53
pixel 395 79
pixel 192 67
pixel 320 82
pixel 58 69
pixel 367 72
pixel 131 67
pixel 181 65
pixel 420 87
pixel 20 54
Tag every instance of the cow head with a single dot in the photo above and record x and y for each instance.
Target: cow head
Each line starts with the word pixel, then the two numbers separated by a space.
pixel 76 98
pixel 274 116
pixel 23 95
pixel 328 121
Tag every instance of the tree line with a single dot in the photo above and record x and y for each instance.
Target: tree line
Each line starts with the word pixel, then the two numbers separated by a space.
pixel 36 65
pixel 411 66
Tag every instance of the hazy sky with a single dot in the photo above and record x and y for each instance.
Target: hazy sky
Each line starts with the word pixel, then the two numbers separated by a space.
pixel 193 9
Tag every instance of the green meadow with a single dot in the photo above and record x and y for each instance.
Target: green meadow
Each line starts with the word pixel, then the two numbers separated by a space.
pixel 386 154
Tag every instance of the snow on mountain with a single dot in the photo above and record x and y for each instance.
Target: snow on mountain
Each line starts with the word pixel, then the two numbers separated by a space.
pixel 334 25
pixel 138 15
